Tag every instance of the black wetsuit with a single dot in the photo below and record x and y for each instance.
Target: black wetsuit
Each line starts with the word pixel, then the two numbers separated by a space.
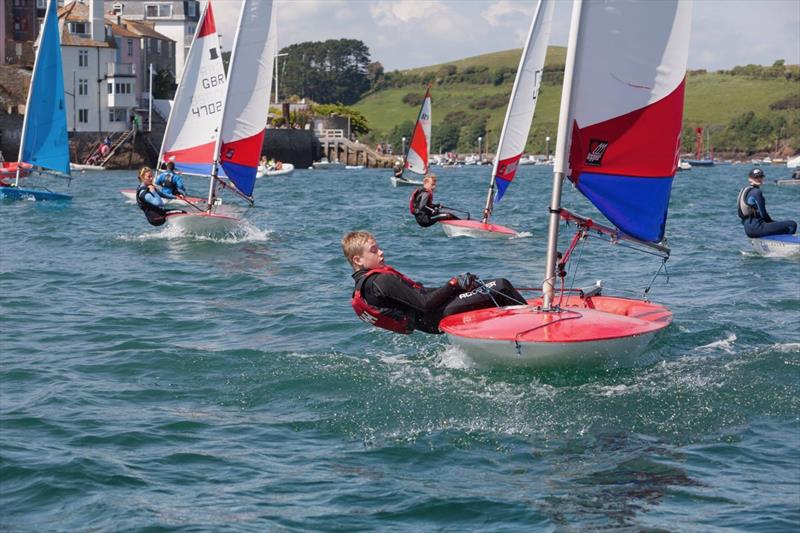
pixel 426 213
pixel 758 223
pixel 426 307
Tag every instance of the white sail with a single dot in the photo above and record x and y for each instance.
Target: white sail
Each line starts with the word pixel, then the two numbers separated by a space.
pixel 191 132
pixel 522 104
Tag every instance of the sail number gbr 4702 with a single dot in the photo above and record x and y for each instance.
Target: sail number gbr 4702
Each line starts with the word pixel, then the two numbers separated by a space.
pixel 210 108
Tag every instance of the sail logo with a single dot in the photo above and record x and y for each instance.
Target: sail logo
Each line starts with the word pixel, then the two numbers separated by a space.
pixel 424 116
pixel 596 151
pixel 368 318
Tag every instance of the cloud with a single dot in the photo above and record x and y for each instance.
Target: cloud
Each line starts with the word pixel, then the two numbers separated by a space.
pixel 502 12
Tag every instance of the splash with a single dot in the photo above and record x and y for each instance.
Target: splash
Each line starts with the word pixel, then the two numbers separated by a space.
pixel 246 232
pixel 725 345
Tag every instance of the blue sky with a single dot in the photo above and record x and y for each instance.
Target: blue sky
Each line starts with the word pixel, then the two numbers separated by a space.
pixel 412 33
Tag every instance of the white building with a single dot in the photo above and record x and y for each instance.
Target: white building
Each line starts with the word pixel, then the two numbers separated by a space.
pixel 175 20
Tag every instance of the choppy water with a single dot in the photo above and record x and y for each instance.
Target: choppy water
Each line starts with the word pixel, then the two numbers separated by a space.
pixel 150 381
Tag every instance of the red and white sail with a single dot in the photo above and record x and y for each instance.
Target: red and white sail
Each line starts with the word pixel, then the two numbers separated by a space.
pixel 191 133
pixel 419 149
pixel 522 104
pixel 248 94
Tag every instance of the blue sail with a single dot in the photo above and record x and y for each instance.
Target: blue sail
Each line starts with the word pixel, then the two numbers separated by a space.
pixel 44 138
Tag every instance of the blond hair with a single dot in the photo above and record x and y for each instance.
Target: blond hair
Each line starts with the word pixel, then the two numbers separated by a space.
pixel 143 171
pixel 429 178
pixel 354 243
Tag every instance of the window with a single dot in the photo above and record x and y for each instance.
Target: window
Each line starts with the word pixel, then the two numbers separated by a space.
pixel 83 116
pixel 110 88
pixel 116 115
pixel 83 87
pixel 118 7
pixel 190 29
pixel 158 46
pixel 83 58
pixel 41 4
pixel 191 10
pixel 130 47
pixel 153 11
pixel 121 88
pixel 19 3
pixel 78 28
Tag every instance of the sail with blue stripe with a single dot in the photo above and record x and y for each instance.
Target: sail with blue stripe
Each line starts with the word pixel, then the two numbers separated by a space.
pixel 626 110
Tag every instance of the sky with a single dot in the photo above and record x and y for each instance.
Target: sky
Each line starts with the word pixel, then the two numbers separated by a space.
pixel 405 34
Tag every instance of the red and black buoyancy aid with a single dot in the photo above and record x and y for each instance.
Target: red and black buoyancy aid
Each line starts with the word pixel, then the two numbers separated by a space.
pixel 382 317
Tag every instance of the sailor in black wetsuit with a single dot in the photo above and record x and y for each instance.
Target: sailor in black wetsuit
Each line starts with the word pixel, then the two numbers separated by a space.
pixel 752 209
pixel 422 207
pixel 387 299
pixel 150 200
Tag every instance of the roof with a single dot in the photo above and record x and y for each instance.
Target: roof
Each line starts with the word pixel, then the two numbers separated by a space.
pixel 143 29
pixel 78 12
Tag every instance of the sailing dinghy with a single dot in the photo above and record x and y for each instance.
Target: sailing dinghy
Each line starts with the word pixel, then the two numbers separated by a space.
pixel 43 147
pixel 419 149
pixel 618 141
pixel 236 107
pixel 777 245
pixel 516 126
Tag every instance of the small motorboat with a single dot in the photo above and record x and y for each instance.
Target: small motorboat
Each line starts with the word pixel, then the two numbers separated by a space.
pixel 324 164
pixel 285 168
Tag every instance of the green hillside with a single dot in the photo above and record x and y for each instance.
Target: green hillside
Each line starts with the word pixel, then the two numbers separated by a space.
pixel 719 101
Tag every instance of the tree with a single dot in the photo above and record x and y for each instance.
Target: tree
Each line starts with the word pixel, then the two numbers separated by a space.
pixel 333 71
pixel 164 85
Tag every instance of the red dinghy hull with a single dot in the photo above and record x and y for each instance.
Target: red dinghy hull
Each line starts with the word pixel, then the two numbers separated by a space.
pixel 597 330
pixel 476 229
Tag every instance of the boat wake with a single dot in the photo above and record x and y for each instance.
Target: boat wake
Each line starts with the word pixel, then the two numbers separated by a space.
pixel 725 345
pixel 247 232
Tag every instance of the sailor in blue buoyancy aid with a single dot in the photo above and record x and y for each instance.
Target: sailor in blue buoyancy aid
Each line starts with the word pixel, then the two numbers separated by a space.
pixel 385 298
pixel 150 200
pixel 421 205
pixel 171 182
pixel 752 209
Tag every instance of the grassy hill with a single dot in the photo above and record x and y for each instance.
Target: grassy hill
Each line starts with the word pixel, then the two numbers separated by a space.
pixel 713 100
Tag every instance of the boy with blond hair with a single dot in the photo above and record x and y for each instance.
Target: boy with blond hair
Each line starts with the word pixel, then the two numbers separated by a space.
pixel 421 205
pixel 390 300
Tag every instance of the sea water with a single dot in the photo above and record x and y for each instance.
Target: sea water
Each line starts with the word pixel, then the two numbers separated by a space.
pixel 154 381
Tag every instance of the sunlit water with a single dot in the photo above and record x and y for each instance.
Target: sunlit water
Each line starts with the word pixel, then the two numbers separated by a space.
pixel 150 380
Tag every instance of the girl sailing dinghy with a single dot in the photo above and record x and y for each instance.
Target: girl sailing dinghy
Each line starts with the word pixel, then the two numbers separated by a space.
pixel 516 126
pixel 621 113
pixel 237 107
pixel 419 149
pixel 43 146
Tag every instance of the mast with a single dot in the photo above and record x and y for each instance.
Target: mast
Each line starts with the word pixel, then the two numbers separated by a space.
pixel 560 161
pixel 47 16
pixel 487 211
pixel 212 186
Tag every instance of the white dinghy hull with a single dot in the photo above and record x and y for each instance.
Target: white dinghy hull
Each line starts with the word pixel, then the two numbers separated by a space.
pixel 777 245
pixel 205 224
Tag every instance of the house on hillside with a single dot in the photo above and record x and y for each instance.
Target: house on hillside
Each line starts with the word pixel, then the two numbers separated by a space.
pixel 19 22
pixel 176 20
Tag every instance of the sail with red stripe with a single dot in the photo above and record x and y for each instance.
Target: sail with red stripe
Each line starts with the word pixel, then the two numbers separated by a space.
pixel 522 104
pixel 248 94
pixel 420 147
pixel 626 110
pixel 191 133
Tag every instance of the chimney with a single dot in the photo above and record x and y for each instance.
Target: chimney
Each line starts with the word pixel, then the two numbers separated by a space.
pixel 97 19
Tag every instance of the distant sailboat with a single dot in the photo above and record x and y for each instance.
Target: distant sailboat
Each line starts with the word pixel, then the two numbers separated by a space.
pixel 419 149
pixel 517 125
pixel 699 160
pixel 44 145
pixel 618 140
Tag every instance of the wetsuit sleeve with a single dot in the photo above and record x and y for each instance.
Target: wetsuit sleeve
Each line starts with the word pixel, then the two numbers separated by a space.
pixel 756 198
pixel 179 183
pixel 153 199
pixel 388 287
pixel 424 199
